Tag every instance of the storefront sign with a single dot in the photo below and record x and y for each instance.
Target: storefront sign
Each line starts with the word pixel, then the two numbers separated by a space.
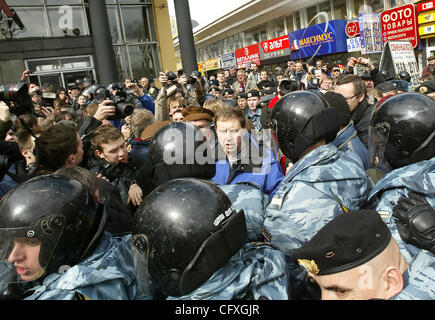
pixel 426 6
pixel 227 60
pixel 427 31
pixel 426 17
pixel 211 64
pixel 354 44
pixel 399 56
pixel 371 38
pixel 400 24
pixel 321 39
pixel 277 47
pixel 246 56
pixel 352 29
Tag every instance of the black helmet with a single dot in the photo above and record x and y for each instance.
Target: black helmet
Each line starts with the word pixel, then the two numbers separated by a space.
pixel 94 91
pixel 180 242
pixel 404 75
pixel 386 75
pixel 55 212
pixel 402 130
pixel 115 86
pixel 179 150
pixel 300 119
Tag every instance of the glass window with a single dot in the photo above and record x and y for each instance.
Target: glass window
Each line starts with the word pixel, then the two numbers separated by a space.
pixel 115 24
pixel 298 24
pixel 69 2
pixel 33 21
pixel 311 13
pixel 121 61
pixel 143 61
pixel 66 19
pixel 358 8
pixel 290 24
pixel 135 24
pixel 376 5
pixel 279 27
pixel 324 6
pixel 340 9
pixel 12 3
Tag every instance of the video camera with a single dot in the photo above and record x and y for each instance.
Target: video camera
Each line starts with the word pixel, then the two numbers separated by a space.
pixel 16 96
pixel 122 101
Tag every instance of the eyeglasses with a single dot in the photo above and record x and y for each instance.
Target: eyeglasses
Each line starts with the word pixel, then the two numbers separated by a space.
pixel 350 98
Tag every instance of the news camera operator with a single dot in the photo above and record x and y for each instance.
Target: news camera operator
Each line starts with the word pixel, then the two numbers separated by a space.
pixel 174 85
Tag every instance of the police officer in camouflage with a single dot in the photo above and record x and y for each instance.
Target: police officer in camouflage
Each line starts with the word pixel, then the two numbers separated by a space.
pixel 401 137
pixel 322 183
pixel 62 253
pixel 200 252
pixel 355 257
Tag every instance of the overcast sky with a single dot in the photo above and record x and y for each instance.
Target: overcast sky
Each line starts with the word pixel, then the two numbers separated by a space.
pixel 206 11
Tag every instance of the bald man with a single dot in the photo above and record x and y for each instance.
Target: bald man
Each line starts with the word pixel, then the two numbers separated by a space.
pixel 354 257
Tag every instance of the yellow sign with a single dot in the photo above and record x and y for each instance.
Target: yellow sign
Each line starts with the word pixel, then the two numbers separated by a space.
pixel 426 17
pixel 211 64
pixel 427 31
pixel 322 38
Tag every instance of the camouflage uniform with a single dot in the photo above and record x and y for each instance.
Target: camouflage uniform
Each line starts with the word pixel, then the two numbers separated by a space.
pixel 418 177
pixel 253 202
pixel 256 272
pixel 323 184
pixel 419 278
pixel 108 274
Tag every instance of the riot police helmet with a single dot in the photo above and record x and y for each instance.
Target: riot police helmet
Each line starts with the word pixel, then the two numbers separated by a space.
pixel 55 213
pixel 404 75
pixel 178 241
pixel 402 130
pixel 300 119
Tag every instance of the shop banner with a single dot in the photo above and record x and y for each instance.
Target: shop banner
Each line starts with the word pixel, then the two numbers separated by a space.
pixel 321 39
pixel 399 56
pixel 370 30
pixel 246 56
pixel 400 24
pixel 354 44
pixel 211 64
pixel 277 47
pixel 227 61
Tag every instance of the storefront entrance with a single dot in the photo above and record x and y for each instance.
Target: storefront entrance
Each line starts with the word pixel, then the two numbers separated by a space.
pixel 61 72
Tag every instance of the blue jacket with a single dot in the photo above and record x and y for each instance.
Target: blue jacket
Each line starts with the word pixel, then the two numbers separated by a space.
pixel 252 201
pixel 319 187
pixel 256 271
pixel 147 103
pixel 268 176
pixel 108 274
pixel 348 138
pixel 418 177
pixel 419 278
pixel 8 183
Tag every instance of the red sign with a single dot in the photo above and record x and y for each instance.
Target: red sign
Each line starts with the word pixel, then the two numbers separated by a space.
pixel 246 56
pixel 426 6
pixel 400 24
pixel 274 48
pixel 352 29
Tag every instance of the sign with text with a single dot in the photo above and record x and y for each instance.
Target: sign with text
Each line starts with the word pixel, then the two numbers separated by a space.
pixel 246 56
pixel 400 24
pixel 399 56
pixel 277 47
pixel 426 17
pixel 227 60
pixel 370 31
pixel 352 29
pixel 320 39
pixel 426 6
pixel 211 64
pixel 354 44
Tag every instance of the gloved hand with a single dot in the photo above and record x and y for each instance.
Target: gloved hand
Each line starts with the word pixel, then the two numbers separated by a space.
pixel 415 219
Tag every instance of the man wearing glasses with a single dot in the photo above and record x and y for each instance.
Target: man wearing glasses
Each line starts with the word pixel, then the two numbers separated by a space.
pixel 353 89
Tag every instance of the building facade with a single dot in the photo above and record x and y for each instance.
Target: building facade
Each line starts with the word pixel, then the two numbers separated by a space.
pixel 258 21
pixel 54 39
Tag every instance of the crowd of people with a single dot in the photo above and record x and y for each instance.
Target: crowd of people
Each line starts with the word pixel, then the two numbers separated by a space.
pixel 305 182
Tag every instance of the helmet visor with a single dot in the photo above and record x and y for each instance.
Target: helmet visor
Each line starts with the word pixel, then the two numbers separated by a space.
pixel 26 252
pixel 140 250
pixel 378 137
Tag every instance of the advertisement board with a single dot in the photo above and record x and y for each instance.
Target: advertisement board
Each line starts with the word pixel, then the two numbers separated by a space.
pixel 277 47
pixel 400 23
pixel 245 56
pixel 227 60
pixel 370 31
